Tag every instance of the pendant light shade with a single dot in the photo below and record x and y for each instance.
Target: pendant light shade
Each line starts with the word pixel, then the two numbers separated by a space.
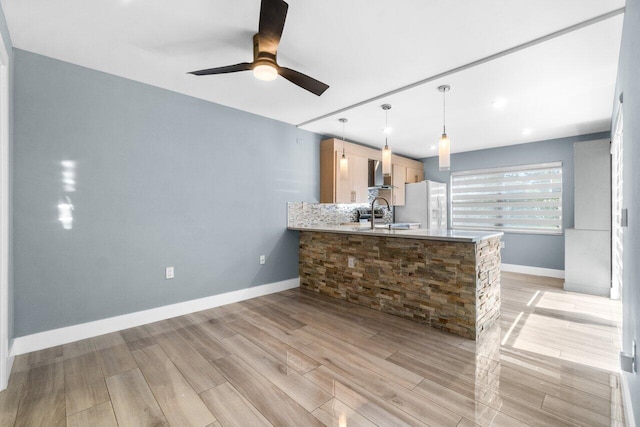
pixel 344 162
pixel 386 151
pixel 386 160
pixel 444 152
pixel 444 144
pixel 344 168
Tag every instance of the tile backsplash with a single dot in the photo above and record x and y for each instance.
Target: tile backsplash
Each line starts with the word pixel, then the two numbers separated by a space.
pixel 306 214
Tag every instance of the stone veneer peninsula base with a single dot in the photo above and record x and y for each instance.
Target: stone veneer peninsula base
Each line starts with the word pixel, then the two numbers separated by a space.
pixel 450 285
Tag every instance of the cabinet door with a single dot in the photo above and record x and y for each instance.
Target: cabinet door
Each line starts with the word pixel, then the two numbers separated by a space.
pixel 415 175
pixel 343 184
pixel 398 178
pixel 353 187
pixel 360 177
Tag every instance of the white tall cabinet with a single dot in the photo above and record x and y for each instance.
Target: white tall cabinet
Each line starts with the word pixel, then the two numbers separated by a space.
pixel 588 246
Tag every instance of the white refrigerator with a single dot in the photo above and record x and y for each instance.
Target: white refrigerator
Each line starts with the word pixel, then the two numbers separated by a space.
pixel 426 203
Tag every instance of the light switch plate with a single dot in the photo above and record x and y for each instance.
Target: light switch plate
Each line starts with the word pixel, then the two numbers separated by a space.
pixel 169 273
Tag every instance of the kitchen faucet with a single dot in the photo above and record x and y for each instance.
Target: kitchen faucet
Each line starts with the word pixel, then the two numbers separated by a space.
pixel 373 215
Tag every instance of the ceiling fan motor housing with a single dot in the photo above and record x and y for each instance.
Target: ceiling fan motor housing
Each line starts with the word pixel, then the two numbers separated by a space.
pixel 260 55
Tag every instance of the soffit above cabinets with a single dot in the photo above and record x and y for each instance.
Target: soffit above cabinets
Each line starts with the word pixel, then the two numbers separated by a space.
pixel 362 48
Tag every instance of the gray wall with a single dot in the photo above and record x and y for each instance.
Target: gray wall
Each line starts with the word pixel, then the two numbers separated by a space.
pixel 534 250
pixel 629 84
pixel 163 179
pixel 6 39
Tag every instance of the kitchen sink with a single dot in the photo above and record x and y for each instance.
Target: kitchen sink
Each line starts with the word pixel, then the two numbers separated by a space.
pixel 398 225
pixel 387 226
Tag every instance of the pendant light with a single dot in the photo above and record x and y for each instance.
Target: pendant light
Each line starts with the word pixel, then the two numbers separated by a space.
pixel 444 150
pixel 386 151
pixel 344 162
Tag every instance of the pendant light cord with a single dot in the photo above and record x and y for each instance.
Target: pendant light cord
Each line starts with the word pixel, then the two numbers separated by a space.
pixel 386 128
pixel 343 121
pixel 444 112
pixel 343 140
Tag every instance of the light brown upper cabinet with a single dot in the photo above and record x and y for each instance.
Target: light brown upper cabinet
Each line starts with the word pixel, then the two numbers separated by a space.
pixel 415 175
pixel 398 179
pixel 350 189
pixel 354 188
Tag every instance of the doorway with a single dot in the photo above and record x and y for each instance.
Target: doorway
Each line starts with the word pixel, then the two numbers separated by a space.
pixel 4 216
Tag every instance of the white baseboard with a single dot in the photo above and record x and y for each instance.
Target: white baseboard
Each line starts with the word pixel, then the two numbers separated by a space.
pixel 604 290
pixel 9 365
pixel 627 402
pixel 46 339
pixel 534 271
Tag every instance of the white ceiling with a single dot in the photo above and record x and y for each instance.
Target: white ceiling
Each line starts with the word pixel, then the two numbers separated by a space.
pixel 361 48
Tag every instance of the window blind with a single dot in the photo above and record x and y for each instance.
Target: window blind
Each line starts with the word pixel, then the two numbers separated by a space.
pixel 525 199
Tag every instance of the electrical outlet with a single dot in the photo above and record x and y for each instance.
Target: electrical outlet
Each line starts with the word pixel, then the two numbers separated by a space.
pixel 263 259
pixel 502 245
pixel 169 273
pixel 351 261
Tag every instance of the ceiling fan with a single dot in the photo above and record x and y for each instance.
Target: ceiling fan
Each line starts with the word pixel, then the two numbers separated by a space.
pixel 273 13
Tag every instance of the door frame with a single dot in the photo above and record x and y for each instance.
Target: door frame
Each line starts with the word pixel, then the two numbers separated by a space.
pixel 5 360
pixel 617 152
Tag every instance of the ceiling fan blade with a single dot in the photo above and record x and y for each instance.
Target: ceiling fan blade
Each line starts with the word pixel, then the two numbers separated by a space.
pixel 297 78
pixel 243 66
pixel 273 13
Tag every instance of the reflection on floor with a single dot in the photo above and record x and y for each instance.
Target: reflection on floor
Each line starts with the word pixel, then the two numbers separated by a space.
pixel 295 358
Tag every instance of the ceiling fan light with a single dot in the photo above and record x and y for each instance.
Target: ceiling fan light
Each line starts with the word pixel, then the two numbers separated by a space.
pixel 265 72
pixel 444 152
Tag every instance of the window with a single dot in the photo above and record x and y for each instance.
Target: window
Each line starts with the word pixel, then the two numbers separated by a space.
pixel 525 199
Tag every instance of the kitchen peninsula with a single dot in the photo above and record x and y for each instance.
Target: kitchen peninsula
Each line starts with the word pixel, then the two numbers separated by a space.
pixel 444 278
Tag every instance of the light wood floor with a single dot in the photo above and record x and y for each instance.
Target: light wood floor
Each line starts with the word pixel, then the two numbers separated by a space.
pixel 295 358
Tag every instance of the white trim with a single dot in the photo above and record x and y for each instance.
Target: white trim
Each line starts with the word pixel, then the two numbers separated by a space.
pixel 46 339
pixel 617 199
pixel 602 290
pixel 5 361
pixel 534 271
pixel 627 403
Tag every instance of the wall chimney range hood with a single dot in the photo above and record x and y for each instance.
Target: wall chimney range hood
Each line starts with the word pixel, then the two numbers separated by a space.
pixel 377 181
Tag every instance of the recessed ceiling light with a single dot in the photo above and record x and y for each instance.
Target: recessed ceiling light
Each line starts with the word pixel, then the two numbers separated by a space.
pixel 526 132
pixel 433 147
pixel 499 103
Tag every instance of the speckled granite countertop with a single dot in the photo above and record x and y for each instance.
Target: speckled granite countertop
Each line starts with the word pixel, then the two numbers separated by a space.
pixel 442 235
